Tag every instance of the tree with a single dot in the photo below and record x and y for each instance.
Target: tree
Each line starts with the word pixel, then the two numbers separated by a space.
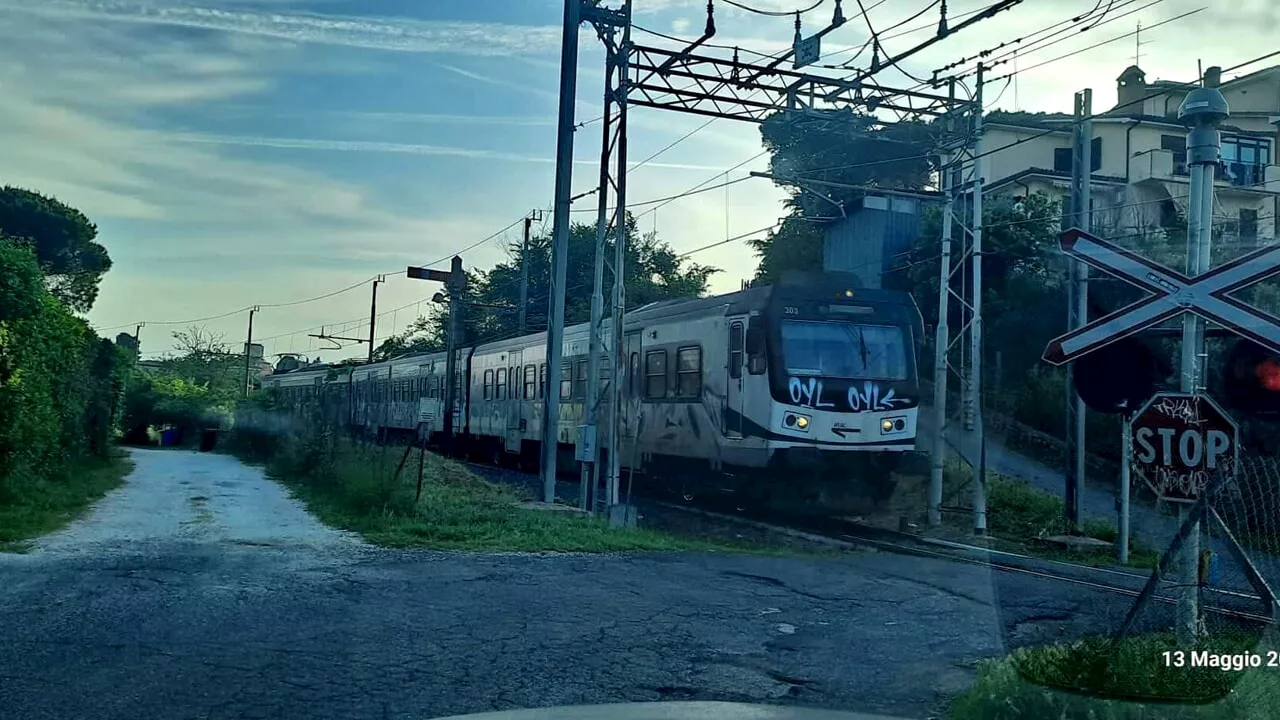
pixel 63 240
pixel 654 272
pixel 837 147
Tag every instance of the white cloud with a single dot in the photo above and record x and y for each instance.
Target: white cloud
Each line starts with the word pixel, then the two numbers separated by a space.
pixel 397 34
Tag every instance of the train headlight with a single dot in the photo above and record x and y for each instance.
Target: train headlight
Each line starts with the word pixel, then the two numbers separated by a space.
pixel 796 421
pixel 892 425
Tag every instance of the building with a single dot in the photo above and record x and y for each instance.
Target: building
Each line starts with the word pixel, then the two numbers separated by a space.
pixel 1140 180
pixel 875 237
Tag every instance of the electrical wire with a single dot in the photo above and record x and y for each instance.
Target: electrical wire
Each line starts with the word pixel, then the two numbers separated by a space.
pixel 775 13
pixel 1049 41
pixel 876 45
pixel 683 41
pixel 1095 45
pixel 1029 47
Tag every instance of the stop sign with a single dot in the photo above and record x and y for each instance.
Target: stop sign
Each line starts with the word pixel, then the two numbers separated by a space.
pixel 1180 441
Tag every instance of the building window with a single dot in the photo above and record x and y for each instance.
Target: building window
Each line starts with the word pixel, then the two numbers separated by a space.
pixel 566 381
pixel 1249 228
pixel 1063 160
pixel 500 393
pixel 655 374
pixel 1245 159
pixel 580 387
pixel 689 372
pixel 735 350
pixel 488 384
pixel 530 382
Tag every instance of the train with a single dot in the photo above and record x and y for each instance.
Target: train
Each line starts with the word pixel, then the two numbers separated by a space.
pixel 808 387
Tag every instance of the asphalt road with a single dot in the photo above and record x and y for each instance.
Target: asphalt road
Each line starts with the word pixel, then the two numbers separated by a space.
pixel 201 590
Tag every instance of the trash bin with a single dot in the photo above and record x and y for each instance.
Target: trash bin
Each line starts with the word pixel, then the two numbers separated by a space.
pixel 169 437
pixel 208 438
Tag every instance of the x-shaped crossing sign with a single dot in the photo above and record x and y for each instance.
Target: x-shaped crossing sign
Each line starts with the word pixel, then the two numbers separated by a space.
pixel 1172 293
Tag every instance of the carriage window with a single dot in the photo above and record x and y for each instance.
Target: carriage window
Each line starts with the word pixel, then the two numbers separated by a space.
pixel 655 374
pixel 542 381
pixel 501 392
pixel 735 350
pixel 488 384
pixel 566 381
pixel 689 372
pixel 634 373
pixel 580 386
pixel 530 382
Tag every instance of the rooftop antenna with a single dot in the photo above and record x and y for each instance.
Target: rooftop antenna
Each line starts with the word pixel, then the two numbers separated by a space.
pixel 1137 44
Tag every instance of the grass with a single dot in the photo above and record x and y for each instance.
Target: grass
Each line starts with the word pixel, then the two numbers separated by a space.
pixel 46 504
pixel 353 487
pixel 1020 517
pixel 1097 680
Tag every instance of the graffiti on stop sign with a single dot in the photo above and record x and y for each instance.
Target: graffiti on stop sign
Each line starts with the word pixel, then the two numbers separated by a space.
pixel 1180 441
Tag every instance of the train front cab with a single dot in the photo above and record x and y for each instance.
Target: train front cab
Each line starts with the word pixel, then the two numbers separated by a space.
pixel 843 385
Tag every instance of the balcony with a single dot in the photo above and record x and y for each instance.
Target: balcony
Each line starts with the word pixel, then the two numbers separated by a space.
pixel 1155 165
pixel 1171 166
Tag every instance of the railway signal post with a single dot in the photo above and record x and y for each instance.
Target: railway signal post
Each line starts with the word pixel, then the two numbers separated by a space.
pixel 455 282
pixel 1199 295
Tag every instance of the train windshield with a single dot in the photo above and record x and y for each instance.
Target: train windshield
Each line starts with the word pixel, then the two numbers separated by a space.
pixel 844 350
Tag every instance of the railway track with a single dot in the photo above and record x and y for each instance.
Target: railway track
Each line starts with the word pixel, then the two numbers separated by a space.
pixel 843 531
pixel 858 534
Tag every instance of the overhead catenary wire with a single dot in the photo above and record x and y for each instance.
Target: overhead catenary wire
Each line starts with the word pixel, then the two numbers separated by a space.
pixel 1016 43
pixel 1097 44
pixel 774 13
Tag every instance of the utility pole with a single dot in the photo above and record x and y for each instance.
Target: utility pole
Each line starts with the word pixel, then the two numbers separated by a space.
pixel 560 245
pixel 975 328
pixel 942 342
pixel 248 348
pixel 1079 215
pixel 524 274
pixel 373 314
pixel 1203 110
pixel 619 277
pixel 588 448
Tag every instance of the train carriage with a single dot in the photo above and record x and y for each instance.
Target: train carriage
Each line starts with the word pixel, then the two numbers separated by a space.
pixel 812 374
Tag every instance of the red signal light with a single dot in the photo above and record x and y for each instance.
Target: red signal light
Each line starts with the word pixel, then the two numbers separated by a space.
pixel 1268 373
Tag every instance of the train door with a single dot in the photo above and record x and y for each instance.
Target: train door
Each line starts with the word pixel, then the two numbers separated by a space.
pixel 631 391
pixel 733 381
pixel 514 399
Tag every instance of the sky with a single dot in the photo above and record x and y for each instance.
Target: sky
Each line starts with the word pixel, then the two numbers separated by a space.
pixel 241 152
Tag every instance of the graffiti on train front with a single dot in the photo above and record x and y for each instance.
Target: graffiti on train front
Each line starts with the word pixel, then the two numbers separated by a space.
pixel 870 396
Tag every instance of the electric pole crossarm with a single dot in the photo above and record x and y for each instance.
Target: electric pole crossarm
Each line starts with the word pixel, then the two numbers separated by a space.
pixel 719 88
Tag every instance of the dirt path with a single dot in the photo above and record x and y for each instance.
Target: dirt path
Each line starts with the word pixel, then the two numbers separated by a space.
pixel 169 499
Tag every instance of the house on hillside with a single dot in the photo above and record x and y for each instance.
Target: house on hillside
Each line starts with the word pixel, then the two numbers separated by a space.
pixel 1140 180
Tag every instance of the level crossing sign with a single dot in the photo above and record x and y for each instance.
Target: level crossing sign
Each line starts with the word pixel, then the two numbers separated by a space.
pixel 1171 294
pixel 1180 441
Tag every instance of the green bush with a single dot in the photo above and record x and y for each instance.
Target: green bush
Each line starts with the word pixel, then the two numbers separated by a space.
pixel 60 385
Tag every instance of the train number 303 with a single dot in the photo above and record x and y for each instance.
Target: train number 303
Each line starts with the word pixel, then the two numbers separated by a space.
pixel 790 310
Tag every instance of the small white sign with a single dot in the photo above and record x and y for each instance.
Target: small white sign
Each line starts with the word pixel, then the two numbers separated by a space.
pixel 807 51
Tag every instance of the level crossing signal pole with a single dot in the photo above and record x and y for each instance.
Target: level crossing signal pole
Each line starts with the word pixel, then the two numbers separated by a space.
pixel 1203 109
